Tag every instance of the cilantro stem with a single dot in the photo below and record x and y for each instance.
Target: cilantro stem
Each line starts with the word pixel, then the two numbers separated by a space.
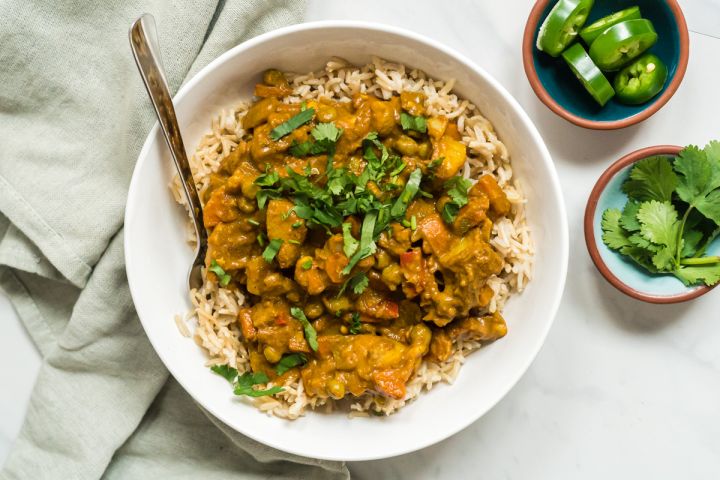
pixel 700 261
pixel 678 250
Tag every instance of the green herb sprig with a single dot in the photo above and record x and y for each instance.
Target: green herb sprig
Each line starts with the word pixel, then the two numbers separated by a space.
pixel 223 277
pixel 309 330
pixel 243 384
pixel 672 215
pixel 294 122
pixel 290 361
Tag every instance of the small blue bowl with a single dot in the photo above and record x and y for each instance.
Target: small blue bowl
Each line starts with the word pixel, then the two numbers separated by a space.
pixel 622 273
pixel 556 86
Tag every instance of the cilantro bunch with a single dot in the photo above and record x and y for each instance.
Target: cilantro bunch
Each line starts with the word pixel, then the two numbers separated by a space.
pixel 672 215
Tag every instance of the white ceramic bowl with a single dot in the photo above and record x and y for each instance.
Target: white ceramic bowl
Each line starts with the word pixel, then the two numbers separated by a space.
pixel 158 258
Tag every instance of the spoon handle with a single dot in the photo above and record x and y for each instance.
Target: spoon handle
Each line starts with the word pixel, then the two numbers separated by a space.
pixel 146 49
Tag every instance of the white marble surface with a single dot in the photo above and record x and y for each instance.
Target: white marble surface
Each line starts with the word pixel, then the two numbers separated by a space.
pixel 621 389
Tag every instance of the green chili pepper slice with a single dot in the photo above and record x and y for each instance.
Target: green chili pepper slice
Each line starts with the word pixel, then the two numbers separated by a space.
pixel 589 74
pixel 641 80
pixel 621 43
pixel 562 24
pixel 592 31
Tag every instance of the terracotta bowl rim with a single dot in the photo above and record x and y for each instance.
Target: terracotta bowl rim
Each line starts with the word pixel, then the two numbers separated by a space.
pixel 528 47
pixel 590 229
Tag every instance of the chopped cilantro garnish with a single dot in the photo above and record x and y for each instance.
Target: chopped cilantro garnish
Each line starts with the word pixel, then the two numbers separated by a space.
pixel 307 264
pixel 225 371
pixel 310 333
pixel 244 383
pixel 294 122
pixel 408 122
pixel 350 245
pixel 267 179
pixel 355 325
pixel 367 243
pixel 326 132
pixel 290 361
pixel 411 189
pixel 261 239
pixel 457 190
pixel 358 283
pixel 297 224
pixel 247 380
pixel 223 277
pixel 272 249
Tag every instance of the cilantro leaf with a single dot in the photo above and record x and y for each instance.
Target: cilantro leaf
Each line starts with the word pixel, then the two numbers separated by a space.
pixel 457 189
pixel 664 258
pixel 408 122
pixel 310 333
pixel 700 179
pixel 306 148
pixel 693 274
pixel 267 179
pixel 411 189
pixel 247 380
pixel 652 178
pixel 290 361
pixel 691 242
pixel 367 243
pixel 350 245
pixel 358 283
pixel 227 372
pixel 659 223
pixel 291 124
pixel 272 249
pixel 326 132
pixel 629 220
pixel 641 256
pixel 613 234
pixel 355 325
pixel 223 278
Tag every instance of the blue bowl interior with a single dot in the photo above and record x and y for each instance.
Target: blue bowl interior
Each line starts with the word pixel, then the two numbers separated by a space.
pixel 622 267
pixel 567 91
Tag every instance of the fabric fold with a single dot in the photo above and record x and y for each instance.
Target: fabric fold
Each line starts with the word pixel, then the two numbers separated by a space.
pixel 73 117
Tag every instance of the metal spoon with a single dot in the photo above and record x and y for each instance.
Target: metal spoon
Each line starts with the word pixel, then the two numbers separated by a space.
pixel 146 49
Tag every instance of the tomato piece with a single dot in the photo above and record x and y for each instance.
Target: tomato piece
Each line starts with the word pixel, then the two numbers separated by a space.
pixel 562 24
pixel 641 80
pixel 592 31
pixel 621 43
pixel 589 74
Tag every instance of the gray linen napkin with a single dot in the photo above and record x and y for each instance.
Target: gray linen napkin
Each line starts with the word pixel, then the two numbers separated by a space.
pixel 73 115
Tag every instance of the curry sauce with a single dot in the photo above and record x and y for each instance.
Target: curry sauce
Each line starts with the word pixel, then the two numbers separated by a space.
pixel 363 297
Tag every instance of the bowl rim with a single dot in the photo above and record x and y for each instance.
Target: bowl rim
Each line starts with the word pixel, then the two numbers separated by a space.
pixel 589 227
pixel 528 46
pixel 563 234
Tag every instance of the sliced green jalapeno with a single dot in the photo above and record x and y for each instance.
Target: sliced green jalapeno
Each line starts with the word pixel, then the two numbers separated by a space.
pixel 589 74
pixel 592 31
pixel 641 80
pixel 621 43
pixel 562 25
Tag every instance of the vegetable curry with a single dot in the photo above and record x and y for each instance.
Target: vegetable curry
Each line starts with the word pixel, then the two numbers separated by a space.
pixel 360 247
